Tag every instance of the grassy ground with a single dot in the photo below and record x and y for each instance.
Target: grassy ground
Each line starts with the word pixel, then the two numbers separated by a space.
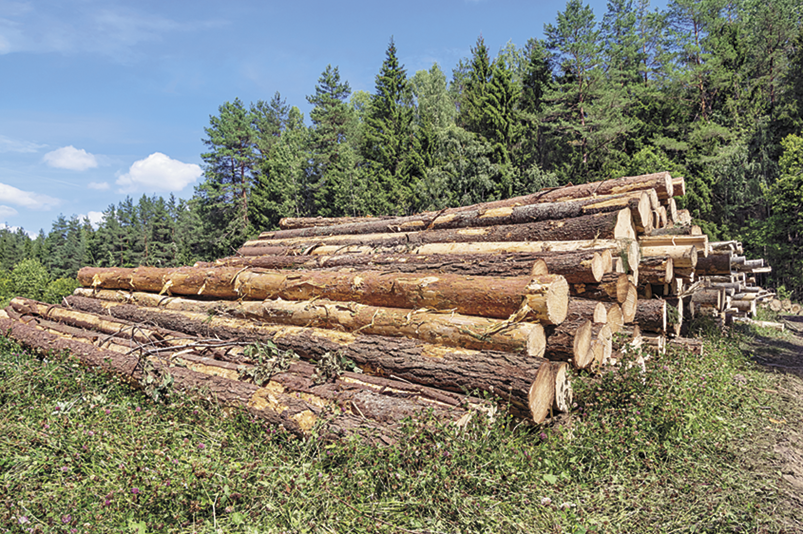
pixel 690 446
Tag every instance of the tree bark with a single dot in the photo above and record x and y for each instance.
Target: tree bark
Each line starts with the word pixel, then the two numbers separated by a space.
pixel 290 223
pixel 700 242
pixel 683 256
pixel 510 376
pixel 570 341
pixel 546 296
pixel 451 330
pixel 717 263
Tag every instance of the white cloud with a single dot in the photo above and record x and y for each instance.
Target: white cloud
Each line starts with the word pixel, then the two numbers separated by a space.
pixel 26 199
pixel 158 172
pixel 6 211
pixel 71 158
pixel 100 186
pixel 15 145
pixel 95 218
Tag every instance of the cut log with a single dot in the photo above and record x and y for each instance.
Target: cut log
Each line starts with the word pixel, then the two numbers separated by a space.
pixel 661 182
pixel 452 330
pixel 613 288
pixel 571 341
pixel 678 229
pixel 510 376
pixel 275 404
pixel 656 270
pixel 683 257
pixel 672 211
pixel 678 186
pixel 611 225
pixel 700 242
pixel 717 263
pixel 474 218
pixel 290 223
pixel 615 319
pixel 684 217
pixel 539 299
pixel 592 310
pixel 651 315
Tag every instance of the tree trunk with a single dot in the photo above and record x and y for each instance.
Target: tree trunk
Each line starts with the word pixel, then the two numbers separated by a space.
pixel 592 310
pixel 546 296
pixel 452 330
pixel 510 376
pixel 611 225
pixel 683 257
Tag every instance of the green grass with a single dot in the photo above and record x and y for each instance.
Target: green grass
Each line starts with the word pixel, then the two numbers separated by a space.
pixel 665 451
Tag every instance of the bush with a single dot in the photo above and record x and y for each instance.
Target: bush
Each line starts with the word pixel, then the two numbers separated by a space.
pixel 29 279
pixel 58 289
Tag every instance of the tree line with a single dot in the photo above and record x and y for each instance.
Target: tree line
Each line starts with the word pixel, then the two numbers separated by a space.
pixel 711 90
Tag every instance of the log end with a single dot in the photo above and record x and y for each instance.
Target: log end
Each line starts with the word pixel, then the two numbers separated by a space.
pixel 597 266
pixel 564 395
pixel 615 318
pixel 539 268
pixel 541 396
pixel 536 341
pixel 629 304
pixel 581 346
pixel 624 228
pixel 600 313
pixel 558 300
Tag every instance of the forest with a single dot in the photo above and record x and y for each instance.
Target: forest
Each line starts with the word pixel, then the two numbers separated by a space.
pixel 711 90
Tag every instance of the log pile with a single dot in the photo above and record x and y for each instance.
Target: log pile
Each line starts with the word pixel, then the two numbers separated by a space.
pixel 352 325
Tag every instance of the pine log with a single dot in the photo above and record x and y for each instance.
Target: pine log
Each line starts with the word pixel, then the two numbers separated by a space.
pixel 708 297
pixel 651 315
pixel 700 242
pixel 350 403
pixel 684 217
pixel 514 377
pixel 642 214
pixel 474 218
pixel 575 266
pixel 610 225
pixel 571 341
pixel 613 288
pixel 661 182
pixel 685 229
pixel 626 248
pixel 674 315
pixel 683 257
pixel 290 223
pixel 672 211
pixel 615 319
pixel 602 343
pixel 563 387
pixel 539 299
pixel 592 310
pixel 656 270
pixel 451 329
pixel 678 186
pixel 717 263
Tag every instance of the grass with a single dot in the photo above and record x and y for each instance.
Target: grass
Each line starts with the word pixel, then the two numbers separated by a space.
pixel 664 451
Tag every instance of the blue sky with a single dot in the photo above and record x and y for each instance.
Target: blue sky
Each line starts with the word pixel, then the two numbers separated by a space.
pixel 103 99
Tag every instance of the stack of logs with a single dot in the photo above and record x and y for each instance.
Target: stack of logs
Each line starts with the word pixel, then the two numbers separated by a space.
pixel 353 324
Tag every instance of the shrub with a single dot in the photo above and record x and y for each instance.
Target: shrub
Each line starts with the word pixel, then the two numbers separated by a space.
pixel 58 289
pixel 29 279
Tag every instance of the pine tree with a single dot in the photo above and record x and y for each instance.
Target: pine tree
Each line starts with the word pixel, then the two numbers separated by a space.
pixel 392 164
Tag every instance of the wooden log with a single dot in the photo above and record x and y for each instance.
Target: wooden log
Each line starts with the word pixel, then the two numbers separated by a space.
pixel 661 182
pixel 514 377
pixel 539 299
pixel 762 324
pixel 615 318
pixel 452 330
pixel 571 341
pixel 651 315
pixel 610 225
pixel 678 186
pixel 684 217
pixel 504 264
pixel 672 211
pixel 290 223
pixel 613 288
pixel 674 315
pixel 678 229
pixel 718 264
pixel 474 218
pixel 708 297
pixel 746 306
pixel 695 346
pixel 750 265
pixel 592 310
pixel 700 242
pixel 683 257
pixel 656 270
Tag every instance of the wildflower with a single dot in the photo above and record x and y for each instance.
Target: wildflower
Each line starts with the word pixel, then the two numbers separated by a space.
pixel 66 519
pixel 567 505
pixel 107 503
pixel 23 519
pixel 546 501
pixel 135 490
pixel 542 436
pixel 201 446
pixel 64 469
pixel 139 409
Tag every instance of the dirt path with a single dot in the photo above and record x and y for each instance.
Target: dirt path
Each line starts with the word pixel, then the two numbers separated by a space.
pixel 784 358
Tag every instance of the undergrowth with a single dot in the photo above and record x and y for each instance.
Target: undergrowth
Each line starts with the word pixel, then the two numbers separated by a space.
pixel 659 451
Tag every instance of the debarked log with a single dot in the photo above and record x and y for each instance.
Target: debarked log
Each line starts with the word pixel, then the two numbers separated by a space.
pixel 513 377
pixel 448 329
pixel 538 299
